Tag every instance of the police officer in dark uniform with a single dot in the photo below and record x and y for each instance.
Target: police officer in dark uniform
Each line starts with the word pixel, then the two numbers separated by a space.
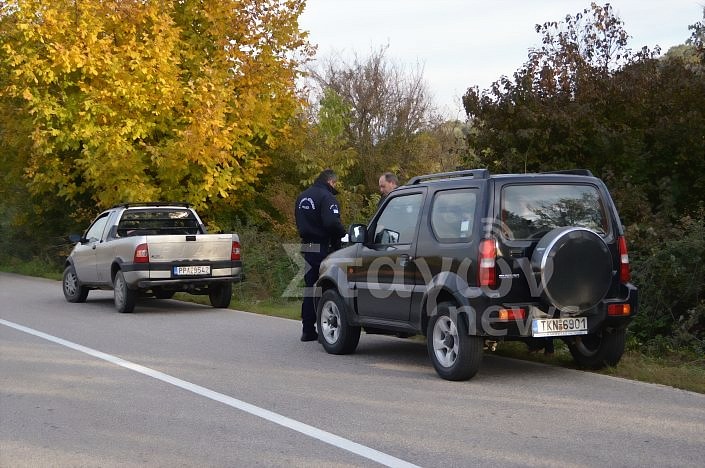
pixel 318 221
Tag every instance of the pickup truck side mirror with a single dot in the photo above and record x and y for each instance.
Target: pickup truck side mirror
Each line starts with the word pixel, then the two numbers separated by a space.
pixel 357 234
pixel 76 238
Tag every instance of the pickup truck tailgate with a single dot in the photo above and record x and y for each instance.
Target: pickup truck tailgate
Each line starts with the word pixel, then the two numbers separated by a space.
pixel 206 247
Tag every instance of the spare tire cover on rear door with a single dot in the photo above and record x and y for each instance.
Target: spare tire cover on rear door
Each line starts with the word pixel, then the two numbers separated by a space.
pixel 574 266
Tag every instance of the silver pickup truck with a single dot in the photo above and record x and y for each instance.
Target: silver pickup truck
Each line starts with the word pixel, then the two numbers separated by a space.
pixel 153 249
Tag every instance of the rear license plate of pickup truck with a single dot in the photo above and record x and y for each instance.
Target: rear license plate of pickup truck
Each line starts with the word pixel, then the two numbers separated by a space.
pixel 559 327
pixel 192 270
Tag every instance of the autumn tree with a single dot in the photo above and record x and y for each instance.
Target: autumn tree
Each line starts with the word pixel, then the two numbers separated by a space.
pixel 132 100
pixel 584 99
pixel 390 107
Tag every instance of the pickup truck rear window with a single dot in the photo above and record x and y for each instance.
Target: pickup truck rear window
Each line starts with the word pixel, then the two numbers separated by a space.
pixel 156 222
pixel 529 211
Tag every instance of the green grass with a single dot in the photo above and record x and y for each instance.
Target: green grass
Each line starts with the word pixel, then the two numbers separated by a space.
pixel 288 309
pixel 676 369
pixel 34 267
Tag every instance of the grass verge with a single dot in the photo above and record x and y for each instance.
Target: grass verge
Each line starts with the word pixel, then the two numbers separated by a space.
pixel 675 369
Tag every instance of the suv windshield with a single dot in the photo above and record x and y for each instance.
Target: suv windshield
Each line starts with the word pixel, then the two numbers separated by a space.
pixel 529 211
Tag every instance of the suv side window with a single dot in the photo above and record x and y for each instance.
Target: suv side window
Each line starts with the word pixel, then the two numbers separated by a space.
pixel 397 223
pixel 528 211
pixel 95 232
pixel 453 214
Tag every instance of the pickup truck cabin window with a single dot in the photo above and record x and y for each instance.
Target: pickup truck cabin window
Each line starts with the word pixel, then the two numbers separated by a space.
pixel 154 221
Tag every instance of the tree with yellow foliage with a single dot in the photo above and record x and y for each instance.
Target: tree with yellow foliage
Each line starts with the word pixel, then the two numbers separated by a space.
pixel 104 101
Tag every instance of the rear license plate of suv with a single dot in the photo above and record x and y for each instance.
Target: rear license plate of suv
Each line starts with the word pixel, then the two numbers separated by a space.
pixel 192 270
pixel 559 327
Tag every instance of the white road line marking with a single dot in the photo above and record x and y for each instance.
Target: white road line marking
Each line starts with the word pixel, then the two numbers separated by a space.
pixel 289 423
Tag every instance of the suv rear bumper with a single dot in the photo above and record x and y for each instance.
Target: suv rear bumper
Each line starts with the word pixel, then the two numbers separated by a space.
pixel 483 314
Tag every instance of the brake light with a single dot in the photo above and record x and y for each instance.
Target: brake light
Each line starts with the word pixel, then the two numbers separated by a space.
pixel 141 254
pixel 235 251
pixel 487 273
pixel 624 272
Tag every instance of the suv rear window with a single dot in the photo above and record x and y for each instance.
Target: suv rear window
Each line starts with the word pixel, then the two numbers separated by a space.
pixel 528 211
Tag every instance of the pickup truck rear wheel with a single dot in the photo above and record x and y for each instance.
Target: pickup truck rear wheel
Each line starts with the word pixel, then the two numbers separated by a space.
pixel 125 297
pixel 220 295
pixel 335 333
pixel 455 354
pixel 597 350
pixel 73 291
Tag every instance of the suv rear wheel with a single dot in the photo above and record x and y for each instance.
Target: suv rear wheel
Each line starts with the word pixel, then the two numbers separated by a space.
pixel 455 354
pixel 335 333
pixel 597 350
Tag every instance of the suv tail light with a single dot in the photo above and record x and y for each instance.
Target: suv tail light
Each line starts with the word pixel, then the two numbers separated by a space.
pixel 141 254
pixel 235 251
pixel 624 272
pixel 487 273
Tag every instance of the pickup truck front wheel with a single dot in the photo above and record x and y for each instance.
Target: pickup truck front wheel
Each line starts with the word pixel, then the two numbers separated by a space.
pixel 73 291
pixel 125 297
pixel 220 295
pixel 455 354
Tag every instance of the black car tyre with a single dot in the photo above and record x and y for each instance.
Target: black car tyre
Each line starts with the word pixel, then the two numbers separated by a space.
pixel 73 291
pixel 124 297
pixel 335 333
pixel 455 354
pixel 220 295
pixel 597 350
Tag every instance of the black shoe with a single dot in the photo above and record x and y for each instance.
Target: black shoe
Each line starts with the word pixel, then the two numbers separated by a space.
pixel 309 336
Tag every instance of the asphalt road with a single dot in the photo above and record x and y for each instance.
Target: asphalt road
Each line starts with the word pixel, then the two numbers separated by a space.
pixel 179 384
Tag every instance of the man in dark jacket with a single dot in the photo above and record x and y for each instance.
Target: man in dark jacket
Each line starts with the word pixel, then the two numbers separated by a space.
pixel 318 221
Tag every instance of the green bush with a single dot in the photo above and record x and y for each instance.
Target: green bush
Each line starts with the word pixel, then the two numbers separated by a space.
pixel 269 269
pixel 668 265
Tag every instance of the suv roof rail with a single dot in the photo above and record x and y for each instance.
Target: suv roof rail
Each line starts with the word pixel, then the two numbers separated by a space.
pixel 582 172
pixel 131 204
pixel 474 173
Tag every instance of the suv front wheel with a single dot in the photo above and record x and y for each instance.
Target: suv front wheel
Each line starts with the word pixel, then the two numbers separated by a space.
pixel 336 335
pixel 455 354
pixel 597 350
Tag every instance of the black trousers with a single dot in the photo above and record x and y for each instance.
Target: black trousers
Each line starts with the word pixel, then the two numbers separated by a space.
pixel 313 264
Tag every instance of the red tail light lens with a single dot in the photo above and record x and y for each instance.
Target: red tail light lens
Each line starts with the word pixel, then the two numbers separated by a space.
pixel 487 273
pixel 507 315
pixel 619 309
pixel 141 254
pixel 235 251
pixel 624 272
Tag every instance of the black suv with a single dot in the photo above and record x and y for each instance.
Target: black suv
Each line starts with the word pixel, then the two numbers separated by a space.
pixel 471 259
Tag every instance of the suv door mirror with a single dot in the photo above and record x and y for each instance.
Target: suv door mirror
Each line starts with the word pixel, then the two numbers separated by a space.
pixel 357 234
